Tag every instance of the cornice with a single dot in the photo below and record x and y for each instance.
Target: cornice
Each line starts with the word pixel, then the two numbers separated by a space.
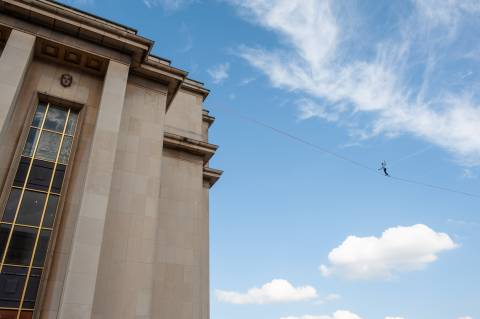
pixel 206 117
pixel 189 145
pixel 195 87
pixel 79 24
pixel 104 33
pixel 211 175
pixel 161 71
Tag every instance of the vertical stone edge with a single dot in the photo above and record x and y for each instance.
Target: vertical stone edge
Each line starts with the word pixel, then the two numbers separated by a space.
pixel 14 62
pixel 79 289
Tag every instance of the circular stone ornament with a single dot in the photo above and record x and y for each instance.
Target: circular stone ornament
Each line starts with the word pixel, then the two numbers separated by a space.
pixel 66 80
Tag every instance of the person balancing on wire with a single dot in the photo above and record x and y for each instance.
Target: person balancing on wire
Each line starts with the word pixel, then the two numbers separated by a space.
pixel 384 168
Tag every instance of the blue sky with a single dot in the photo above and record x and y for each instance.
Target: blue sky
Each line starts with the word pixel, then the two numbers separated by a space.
pixel 299 234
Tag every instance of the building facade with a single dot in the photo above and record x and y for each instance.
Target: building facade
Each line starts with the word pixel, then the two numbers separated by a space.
pixel 104 172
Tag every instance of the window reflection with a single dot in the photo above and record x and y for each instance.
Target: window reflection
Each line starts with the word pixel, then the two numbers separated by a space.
pixel 72 123
pixel 55 120
pixel 39 113
pixel 66 148
pixel 31 141
pixel 48 146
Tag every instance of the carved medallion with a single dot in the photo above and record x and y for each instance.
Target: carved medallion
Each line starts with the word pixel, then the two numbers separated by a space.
pixel 66 80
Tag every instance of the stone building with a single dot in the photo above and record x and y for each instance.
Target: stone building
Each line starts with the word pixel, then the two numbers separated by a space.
pixel 104 172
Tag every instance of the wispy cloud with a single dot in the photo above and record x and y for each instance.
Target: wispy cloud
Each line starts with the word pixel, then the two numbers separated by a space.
pixel 276 291
pixel 308 108
pixel 393 86
pixel 447 13
pixel 168 5
pixel 399 249
pixel 469 173
pixel 462 223
pixel 185 32
pixel 219 73
pixel 340 314
pixel 80 2
pixel 465 317
pixel 247 81
pixel 328 298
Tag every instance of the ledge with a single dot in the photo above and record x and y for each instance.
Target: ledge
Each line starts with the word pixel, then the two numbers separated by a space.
pixel 211 175
pixel 188 145
pixel 195 87
pixel 207 117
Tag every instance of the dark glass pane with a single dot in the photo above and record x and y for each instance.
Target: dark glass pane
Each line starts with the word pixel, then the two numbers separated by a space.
pixel 32 289
pixel 58 179
pixel 31 208
pixel 4 232
pixel 65 151
pixel 22 172
pixel 71 123
pixel 31 141
pixel 40 175
pixel 48 146
pixel 42 246
pixel 49 218
pixel 12 281
pixel 56 117
pixel 39 113
pixel 12 203
pixel 20 250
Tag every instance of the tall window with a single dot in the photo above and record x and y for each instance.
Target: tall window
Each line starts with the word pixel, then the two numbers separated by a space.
pixel 29 214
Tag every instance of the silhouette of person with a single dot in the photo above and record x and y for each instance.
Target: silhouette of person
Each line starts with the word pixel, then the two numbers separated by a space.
pixel 384 168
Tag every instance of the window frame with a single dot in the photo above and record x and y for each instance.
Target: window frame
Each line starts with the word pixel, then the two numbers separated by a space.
pixel 15 161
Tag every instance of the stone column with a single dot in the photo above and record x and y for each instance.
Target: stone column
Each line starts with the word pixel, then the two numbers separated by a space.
pixel 14 62
pixel 82 269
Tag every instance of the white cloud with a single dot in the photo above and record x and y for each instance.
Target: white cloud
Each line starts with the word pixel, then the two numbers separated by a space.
pixel 219 73
pixel 168 5
pixel 399 249
pixel 276 291
pixel 465 317
pixel 340 314
pixel 319 61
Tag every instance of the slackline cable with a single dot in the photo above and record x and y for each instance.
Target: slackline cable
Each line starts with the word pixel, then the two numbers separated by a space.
pixel 347 159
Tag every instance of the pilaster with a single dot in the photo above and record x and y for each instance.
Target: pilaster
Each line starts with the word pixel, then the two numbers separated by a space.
pixel 78 294
pixel 14 63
